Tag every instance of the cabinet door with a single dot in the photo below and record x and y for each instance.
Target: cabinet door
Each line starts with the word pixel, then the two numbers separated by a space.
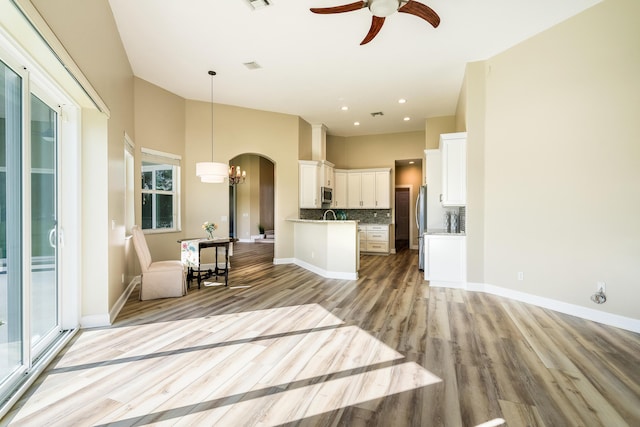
pixel 354 181
pixel 454 171
pixel 435 210
pixel 383 190
pixel 309 187
pixel 445 259
pixel 327 176
pixel 368 190
pixel 340 190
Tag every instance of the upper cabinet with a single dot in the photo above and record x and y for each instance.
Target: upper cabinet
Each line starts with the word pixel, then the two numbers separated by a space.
pixel 327 175
pixel 453 149
pixel 313 175
pixel 340 189
pixel 383 189
pixel 369 189
pixel 309 184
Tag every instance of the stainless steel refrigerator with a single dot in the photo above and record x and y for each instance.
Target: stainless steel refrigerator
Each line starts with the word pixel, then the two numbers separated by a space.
pixel 421 223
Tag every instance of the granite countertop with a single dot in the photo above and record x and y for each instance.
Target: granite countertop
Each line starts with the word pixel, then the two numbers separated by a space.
pixel 323 220
pixel 442 232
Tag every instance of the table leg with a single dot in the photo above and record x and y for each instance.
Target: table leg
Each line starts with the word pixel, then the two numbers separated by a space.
pixel 226 265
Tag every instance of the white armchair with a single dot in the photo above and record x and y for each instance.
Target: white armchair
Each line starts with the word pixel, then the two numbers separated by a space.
pixel 161 279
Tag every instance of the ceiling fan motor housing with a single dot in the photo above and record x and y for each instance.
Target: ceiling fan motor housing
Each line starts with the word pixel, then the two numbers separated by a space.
pixel 383 8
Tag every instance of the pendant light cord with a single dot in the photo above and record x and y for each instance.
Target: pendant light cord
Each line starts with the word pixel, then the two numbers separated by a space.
pixel 212 73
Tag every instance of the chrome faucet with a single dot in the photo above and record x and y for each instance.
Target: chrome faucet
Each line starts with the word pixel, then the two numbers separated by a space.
pixel 324 216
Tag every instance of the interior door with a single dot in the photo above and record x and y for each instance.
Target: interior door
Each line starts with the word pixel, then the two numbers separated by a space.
pixel 402 218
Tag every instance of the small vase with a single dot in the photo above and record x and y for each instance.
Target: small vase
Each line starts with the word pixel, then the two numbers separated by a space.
pixel 210 235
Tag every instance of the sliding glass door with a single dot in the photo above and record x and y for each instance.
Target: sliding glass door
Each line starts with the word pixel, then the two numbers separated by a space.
pixel 44 301
pixel 11 271
pixel 29 291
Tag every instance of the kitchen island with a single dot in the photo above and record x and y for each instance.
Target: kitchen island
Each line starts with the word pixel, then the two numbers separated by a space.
pixel 327 248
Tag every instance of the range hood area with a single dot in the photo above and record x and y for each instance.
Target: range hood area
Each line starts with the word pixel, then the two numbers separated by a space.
pixel 319 142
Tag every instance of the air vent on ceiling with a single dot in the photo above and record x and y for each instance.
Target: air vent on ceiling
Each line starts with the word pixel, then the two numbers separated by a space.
pixel 253 65
pixel 259 4
pixel 377 113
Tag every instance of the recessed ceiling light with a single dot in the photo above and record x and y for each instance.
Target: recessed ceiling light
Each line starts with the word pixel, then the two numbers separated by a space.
pixel 406 119
pixel 344 108
pixel 401 101
pixel 356 123
pixel 411 162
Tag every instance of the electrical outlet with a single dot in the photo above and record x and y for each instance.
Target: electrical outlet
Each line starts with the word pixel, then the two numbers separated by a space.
pixel 601 287
pixel 520 275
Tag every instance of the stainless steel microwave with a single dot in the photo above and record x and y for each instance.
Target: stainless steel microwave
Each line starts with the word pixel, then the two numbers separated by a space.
pixel 326 194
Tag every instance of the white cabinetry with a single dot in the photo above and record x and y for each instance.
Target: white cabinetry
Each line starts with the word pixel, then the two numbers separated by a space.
pixel 374 238
pixel 435 210
pixel 383 190
pixel 445 258
pixel 327 175
pixel 369 189
pixel 309 185
pixel 313 175
pixel 340 189
pixel 453 147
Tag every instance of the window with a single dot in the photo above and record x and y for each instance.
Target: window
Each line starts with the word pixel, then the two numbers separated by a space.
pixel 160 191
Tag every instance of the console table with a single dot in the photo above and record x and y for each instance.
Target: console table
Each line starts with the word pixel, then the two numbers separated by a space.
pixel 195 271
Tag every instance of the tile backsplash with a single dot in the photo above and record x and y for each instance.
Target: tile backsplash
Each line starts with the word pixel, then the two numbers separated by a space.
pixel 365 216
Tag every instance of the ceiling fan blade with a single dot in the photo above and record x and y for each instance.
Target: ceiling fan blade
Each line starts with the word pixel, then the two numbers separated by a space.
pixel 376 25
pixel 339 9
pixel 422 11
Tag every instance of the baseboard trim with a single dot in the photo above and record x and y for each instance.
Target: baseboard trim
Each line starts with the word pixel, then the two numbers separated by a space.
pixel 281 261
pixel 123 299
pixel 622 322
pixel 326 273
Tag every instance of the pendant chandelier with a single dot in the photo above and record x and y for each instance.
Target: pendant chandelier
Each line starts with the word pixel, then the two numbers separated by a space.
pixel 211 172
pixel 236 176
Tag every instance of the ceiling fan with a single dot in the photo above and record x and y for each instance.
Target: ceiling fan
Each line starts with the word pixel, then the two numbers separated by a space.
pixel 381 9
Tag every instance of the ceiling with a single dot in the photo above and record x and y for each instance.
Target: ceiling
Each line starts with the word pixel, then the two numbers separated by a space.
pixel 312 65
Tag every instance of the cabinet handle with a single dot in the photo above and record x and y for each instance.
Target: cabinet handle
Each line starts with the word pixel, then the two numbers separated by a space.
pixel 441 198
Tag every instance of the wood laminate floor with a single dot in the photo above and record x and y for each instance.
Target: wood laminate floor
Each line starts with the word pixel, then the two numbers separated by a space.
pixel 282 346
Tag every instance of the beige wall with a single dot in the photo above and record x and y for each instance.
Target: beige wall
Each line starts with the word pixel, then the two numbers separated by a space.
pixel 238 131
pixel 435 126
pixel 561 161
pixel 89 34
pixel 248 196
pixel 374 151
pixel 474 124
pixel 159 125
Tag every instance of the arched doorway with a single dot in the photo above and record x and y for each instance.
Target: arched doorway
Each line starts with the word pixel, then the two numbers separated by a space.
pixel 251 204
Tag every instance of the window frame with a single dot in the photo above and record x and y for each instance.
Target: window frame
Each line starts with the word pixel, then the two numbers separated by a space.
pixel 163 161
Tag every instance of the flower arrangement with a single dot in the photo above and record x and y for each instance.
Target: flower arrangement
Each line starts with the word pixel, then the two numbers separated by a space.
pixel 209 227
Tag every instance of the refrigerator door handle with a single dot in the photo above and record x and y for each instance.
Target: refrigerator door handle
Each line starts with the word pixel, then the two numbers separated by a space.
pixel 417 204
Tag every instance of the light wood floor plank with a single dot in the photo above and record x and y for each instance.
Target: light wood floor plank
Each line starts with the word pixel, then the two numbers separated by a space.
pixel 282 346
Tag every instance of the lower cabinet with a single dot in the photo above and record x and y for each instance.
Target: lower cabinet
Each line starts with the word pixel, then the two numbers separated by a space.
pixel 445 258
pixel 374 238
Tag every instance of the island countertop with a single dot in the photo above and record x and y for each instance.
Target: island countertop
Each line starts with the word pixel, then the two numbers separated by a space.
pixel 323 220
